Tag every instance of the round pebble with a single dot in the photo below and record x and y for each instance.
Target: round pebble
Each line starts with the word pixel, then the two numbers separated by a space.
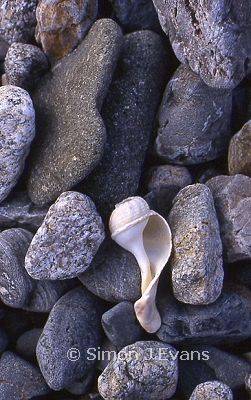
pixel 212 391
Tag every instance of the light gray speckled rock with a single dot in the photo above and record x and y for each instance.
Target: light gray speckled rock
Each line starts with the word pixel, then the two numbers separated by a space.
pixel 239 152
pixel 212 391
pixel 71 132
pixel 68 239
pixel 139 372
pixel 197 263
pixel 194 120
pixel 17 125
pixel 232 197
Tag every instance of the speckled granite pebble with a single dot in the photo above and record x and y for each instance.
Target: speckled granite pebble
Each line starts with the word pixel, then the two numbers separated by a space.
pixel 239 152
pixel 68 239
pixel 212 391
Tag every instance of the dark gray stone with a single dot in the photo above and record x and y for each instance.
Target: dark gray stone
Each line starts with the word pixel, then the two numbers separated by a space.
pixel 211 37
pixel 161 200
pixel 109 353
pixel 171 177
pixel 68 100
pixel 213 390
pixel 82 386
pixel 4 341
pixel 239 152
pixel 232 197
pixel 27 343
pixel 194 120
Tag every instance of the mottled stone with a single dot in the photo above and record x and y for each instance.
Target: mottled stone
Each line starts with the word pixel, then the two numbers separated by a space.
pixel 212 391
pixel 140 373
pixel 24 65
pixel 211 37
pixel 171 177
pixel 27 343
pixel 232 197
pixel 17 126
pixel 68 239
pixel 71 132
pixel 74 322
pixel 114 274
pixel 197 263
pixel 129 115
pixel 62 25
pixel 194 120
pixel 239 152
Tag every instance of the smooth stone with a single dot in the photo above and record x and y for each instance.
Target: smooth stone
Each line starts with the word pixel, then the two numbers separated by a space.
pixel 239 152
pixel 71 133
pixel 82 386
pixel 193 121
pixel 232 197
pixel 212 391
pixel 67 240
pixel 74 322
pixel 27 343
pixel 140 373
pixel 172 177
pixel 17 125
pixel 114 274
pixel 197 262
pixel 121 326
pixel 215 50
pixel 129 115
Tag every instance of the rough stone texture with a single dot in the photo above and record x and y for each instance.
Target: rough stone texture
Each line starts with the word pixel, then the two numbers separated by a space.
pixel 74 322
pixel 27 343
pixel 129 114
pixel 194 120
pixel 171 177
pixel 68 239
pixel 17 126
pixel 239 152
pixel 232 197
pixel 62 25
pixel 19 211
pixel 211 37
pixel 24 65
pixel 208 173
pixel 114 274
pixel 19 379
pixel 212 391
pixel 71 132
pixel 139 372
pixel 17 20
pixel 197 263
pixel 121 326
pixel 226 319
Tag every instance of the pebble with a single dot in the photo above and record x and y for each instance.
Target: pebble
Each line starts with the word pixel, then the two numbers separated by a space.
pixel 114 274
pixel 161 200
pixel 20 379
pixel 27 343
pixel 65 152
pixel 193 121
pixel 17 125
pixel 248 383
pixel 232 197
pixel 24 65
pixel 109 351
pixel 61 26
pixel 121 326
pixel 140 373
pixel 17 20
pixel 74 322
pixel 67 240
pixel 171 177
pixel 239 152
pixel 82 386
pixel 215 50
pixel 197 262
pixel 4 341
pixel 212 391
pixel 129 115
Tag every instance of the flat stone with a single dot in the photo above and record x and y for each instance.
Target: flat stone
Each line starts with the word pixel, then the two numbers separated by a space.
pixel 129 115
pixel 215 50
pixel 27 343
pixel 212 391
pixel 197 263
pixel 232 197
pixel 68 239
pixel 17 125
pixel 74 323
pixel 194 120
pixel 71 133
pixel 239 152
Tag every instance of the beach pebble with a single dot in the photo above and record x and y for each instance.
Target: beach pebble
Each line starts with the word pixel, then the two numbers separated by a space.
pixel 121 326
pixel 4 341
pixel 17 125
pixel 212 391
pixel 193 121
pixel 68 239
pixel 27 343
pixel 61 26
pixel 24 65
pixel 171 177
pixel 82 386
pixel 239 153
pixel 197 263
pixel 139 372
pixel 73 323
pixel 161 200
pixel 71 132
pixel 232 197
pixel 215 50
pixel 109 352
